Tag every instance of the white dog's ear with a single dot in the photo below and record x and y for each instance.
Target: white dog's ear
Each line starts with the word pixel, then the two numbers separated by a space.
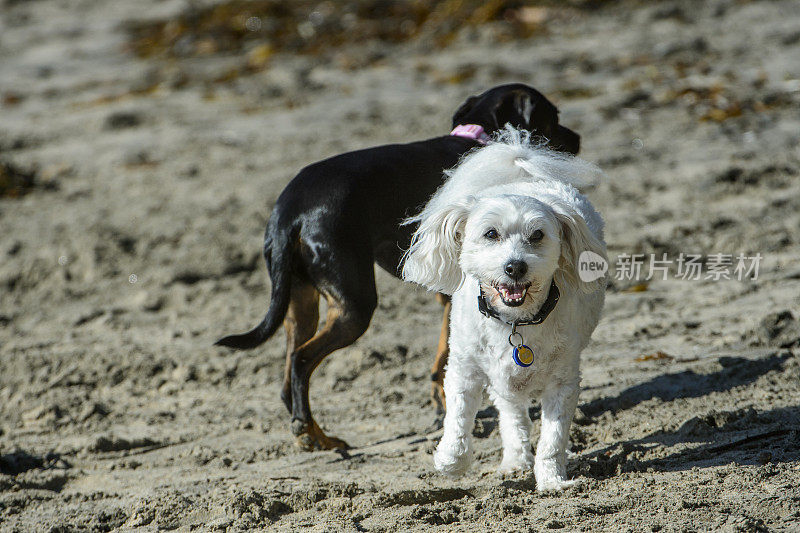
pixel 432 259
pixel 576 238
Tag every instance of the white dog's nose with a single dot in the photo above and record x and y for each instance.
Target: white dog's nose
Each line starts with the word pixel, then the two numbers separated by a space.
pixel 516 269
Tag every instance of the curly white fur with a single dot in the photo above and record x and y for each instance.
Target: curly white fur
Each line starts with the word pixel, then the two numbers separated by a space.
pixel 525 193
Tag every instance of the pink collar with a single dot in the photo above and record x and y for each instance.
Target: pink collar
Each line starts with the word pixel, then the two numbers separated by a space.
pixel 471 131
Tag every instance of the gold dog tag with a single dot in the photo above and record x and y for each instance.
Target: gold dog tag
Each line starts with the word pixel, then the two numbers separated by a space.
pixel 523 355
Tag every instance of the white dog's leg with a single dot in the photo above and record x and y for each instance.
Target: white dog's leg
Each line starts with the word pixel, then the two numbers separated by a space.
pixel 558 407
pixel 453 455
pixel 515 432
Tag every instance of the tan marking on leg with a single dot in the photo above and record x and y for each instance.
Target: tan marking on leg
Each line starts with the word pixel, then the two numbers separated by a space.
pixel 442 353
pixel 300 325
pixel 333 335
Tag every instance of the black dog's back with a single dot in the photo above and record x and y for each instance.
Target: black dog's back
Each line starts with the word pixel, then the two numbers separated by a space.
pixel 364 195
pixel 339 216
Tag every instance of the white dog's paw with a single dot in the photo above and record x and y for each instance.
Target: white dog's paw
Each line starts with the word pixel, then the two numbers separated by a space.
pixel 555 484
pixel 516 463
pixel 550 475
pixel 449 464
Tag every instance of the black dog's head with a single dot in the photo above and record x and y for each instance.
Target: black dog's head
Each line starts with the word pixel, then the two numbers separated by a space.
pixel 521 106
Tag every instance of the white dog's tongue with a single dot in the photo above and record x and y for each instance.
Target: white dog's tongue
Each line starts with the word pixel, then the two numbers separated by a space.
pixel 512 292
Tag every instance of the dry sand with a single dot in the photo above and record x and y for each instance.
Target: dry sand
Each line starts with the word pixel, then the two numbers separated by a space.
pixel 138 245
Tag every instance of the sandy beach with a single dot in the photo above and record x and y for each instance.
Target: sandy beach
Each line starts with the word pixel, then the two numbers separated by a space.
pixel 139 162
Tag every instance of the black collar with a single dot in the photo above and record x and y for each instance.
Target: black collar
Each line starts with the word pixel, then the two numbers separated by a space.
pixel 548 305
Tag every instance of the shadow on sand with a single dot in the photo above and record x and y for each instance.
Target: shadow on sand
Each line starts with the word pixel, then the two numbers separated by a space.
pixel 742 436
pixel 736 371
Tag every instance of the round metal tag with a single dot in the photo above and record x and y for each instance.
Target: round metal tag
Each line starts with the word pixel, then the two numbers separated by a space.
pixel 523 355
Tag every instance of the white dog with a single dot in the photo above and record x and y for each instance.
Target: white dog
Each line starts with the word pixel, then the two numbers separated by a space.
pixel 503 235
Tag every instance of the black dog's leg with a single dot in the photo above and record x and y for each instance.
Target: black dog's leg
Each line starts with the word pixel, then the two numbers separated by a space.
pixel 343 326
pixel 442 353
pixel 300 324
pixel 351 295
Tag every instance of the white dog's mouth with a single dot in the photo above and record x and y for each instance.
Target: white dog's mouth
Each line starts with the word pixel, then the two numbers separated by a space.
pixel 511 294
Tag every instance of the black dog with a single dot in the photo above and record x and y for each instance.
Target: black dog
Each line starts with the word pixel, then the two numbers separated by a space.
pixel 339 216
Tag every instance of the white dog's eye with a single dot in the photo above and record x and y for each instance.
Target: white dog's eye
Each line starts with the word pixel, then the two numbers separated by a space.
pixel 536 236
pixel 492 235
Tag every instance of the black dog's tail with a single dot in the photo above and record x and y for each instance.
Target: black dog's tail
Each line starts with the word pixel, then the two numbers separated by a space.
pixel 278 251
